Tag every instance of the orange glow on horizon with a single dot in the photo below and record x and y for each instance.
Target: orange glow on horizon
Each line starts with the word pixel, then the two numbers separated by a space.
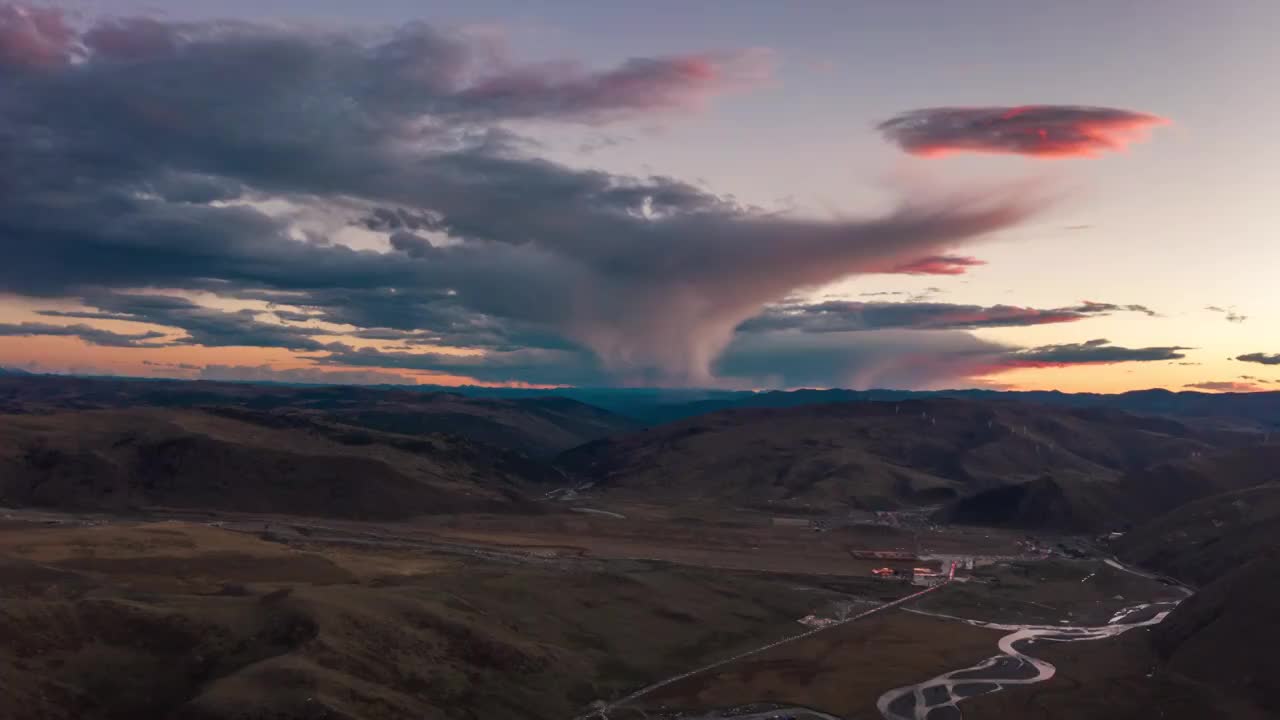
pixel 71 355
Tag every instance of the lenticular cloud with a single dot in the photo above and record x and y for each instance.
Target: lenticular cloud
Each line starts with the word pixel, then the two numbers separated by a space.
pixel 1044 131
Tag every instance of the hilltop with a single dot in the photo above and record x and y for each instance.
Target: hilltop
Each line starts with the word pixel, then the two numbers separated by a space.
pixel 133 459
pixel 887 455
pixel 536 426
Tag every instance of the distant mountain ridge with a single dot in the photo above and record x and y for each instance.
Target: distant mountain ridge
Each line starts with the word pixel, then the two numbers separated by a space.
pixel 992 463
pixel 992 459
pixel 537 426
pixel 1258 411
pixel 1262 409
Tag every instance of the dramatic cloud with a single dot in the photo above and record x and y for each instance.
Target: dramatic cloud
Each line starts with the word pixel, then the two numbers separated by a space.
pixel 1229 313
pixel 639 84
pixel 1227 386
pixel 862 360
pixel 33 37
pixel 87 333
pixel 1093 352
pixel 1260 358
pixel 417 70
pixel 1045 131
pixel 155 155
pixel 842 316
pixel 204 326
pixel 538 366
pixel 412 245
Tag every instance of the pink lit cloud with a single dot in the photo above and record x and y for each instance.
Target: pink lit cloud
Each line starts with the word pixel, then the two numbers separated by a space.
pixel 1041 131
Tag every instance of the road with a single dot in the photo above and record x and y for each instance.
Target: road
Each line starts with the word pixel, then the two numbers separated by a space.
pixel 602 710
pixel 1150 576
pixel 773 713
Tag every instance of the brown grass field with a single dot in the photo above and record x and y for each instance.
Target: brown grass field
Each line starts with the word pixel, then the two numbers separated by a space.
pixel 183 620
pixel 524 617
pixel 841 672
pixel 1114 679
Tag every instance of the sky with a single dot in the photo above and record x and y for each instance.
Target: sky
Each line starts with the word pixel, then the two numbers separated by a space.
pixel 994 193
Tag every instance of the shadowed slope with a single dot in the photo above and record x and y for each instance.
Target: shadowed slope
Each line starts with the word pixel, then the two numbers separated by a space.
pixel 876 455
pixel 133 459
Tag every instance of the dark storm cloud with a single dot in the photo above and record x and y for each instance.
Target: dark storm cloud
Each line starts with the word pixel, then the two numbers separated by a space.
pixel 424 316
pixel 861 360
pixel 204 326
pixel 87 333
pixel 1260 358
pixel 413 71
pixel 1089 353
pixel 1227 386
pixel 415 246
pixel 1047 131
pixel 901 358
pixel 843 315
pixel 388 219
pixel 139 153
pixel 775 359
pixel 532 365
pixel 294 317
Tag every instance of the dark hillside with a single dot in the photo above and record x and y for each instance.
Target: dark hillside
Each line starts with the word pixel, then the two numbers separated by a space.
pixel 879 454
pixel 133 459
pixel 535 426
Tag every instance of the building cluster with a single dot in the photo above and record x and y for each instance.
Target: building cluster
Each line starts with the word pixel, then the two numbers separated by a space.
pixel 916 575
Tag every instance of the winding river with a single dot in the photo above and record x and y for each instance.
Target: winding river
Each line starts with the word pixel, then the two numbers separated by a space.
pixel 939 698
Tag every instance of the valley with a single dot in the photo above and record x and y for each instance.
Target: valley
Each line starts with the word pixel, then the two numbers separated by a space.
pixel 739 360
pixel 231 560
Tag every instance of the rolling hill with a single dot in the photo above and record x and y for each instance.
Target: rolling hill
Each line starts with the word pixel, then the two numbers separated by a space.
pixel 878 455
pixel 1041 504
pixel 1166 486
pixel 182 621
pixel 1229 544
pixel 1136 497
pixel 1207 539
pixel 137 458
pixel 1227 633
pixel 536 426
